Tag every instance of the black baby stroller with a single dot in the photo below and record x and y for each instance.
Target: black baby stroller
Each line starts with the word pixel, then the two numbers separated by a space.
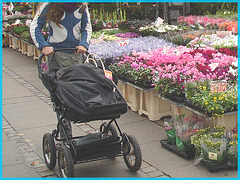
pixel 80 94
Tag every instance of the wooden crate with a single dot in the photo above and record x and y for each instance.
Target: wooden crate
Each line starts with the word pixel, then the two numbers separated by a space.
pixel 13 42
pixel 37 53
pixel 20 46
pixel 5 39
pixel 122 87
pixel 132 96
pixel 153 106
pixel 28 48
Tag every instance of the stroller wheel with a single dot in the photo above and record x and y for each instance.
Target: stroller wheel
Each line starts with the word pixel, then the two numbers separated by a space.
pixel 133 157
pixel 65 162
pixel 110 131
pixel 49 150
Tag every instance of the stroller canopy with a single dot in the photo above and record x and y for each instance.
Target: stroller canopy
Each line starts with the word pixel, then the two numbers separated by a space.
pixel 88 93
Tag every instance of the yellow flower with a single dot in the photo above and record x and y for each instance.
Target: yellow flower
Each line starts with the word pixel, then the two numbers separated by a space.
pixel 222 111
pixel 222 115
pixel 204 88
pixel 226 99
pixel 212 108
pixel 206 103
pixel 215 98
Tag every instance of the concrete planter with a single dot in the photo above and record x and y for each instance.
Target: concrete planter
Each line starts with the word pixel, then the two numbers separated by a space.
pixel 229 120
pixel 152 106
pixel 132 96
pixel 13 42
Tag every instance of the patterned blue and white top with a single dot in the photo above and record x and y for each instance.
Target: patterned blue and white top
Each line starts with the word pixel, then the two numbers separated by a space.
pixel 75 30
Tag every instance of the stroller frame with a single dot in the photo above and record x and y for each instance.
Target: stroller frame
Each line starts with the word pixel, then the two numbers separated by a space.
pixel 113 145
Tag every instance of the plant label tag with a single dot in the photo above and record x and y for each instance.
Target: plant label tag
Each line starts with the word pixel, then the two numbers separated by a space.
pixel 212 156
pixel 218 86
pixel 17 13
pixel 108 74
pixel 158 22
pixel 123 42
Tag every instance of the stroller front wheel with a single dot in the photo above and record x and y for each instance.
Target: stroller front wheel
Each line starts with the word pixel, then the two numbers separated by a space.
pixel 133 155
pixel 65 162
pixel 49 151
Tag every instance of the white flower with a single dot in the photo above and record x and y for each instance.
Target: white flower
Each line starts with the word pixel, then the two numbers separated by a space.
pixel 235 64
pixel 17 21
pixel 232 71
pixel 213 66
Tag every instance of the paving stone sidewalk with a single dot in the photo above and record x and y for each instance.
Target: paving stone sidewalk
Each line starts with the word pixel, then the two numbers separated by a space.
pixel 28 114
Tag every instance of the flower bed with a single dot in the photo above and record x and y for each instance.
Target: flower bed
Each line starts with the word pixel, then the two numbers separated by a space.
pixel 214 41
pixel 111 50
pixel 172 70
pixel 200 22
pixel 213 103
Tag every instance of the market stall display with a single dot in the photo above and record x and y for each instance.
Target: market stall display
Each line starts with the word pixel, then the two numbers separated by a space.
pixel 164 70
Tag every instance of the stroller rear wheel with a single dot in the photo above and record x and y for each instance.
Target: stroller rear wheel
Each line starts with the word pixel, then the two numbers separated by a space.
pixel 110 131
pixel 65 162
pixel 49 150
pixel 132 155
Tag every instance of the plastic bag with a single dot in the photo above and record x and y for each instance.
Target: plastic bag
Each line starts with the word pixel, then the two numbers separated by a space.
pixel 170 130
pixel 232 156
pixel 179 144
pixel 186 128
pixel 232 150
pixel 214 150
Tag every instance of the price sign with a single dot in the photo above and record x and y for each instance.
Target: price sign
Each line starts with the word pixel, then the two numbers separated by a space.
pixel 123 42
pixel 218 86
pixel 108 74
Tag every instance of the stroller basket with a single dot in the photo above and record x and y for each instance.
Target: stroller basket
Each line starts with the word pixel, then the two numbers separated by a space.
pixel 100 147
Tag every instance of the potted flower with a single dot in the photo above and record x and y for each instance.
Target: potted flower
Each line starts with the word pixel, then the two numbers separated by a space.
pixel 214 150
pixel 216 103
pixel 210 144
pixel 170 130
pixel 186 127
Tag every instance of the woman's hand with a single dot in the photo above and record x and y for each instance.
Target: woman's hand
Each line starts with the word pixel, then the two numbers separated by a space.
pixel 81 49
pixel 47 50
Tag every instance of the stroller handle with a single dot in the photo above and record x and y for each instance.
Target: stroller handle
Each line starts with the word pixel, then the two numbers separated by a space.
pixel 40 71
